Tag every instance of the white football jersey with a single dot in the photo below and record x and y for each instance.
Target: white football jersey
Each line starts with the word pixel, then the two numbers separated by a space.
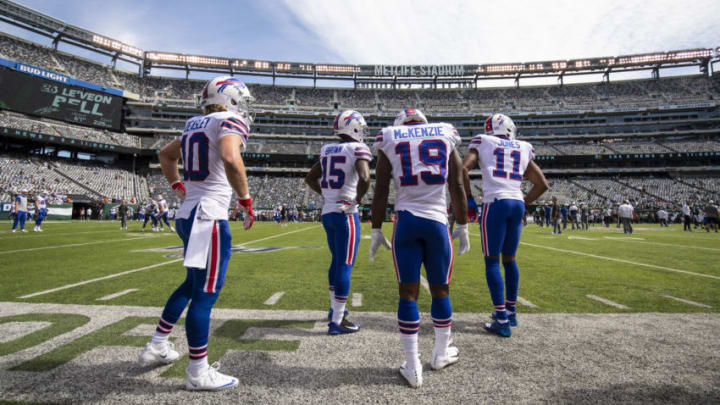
pixel 204 171
pixel 339 178
pixel 41 202
pixel 503 163
pixel 162 204
pixel 22 204
pixel 419 158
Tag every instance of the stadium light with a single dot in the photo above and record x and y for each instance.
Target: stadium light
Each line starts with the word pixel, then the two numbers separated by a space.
pixel 117 46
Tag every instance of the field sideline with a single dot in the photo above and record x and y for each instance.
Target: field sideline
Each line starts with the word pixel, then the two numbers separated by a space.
pixel 604 317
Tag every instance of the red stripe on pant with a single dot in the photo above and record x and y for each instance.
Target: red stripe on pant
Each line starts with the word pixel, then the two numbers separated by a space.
pixel 351 240
pixel 212 271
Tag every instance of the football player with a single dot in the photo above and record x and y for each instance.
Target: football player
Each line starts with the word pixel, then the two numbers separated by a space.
pixel 163 212
pixel 210 148
pixel 504 161
pixel 40 209
pixel 21 209
pixel 423 161
pixel 342 177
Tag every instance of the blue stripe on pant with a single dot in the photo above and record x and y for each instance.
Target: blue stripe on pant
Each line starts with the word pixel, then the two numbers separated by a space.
pixel 343 237
pixel 201 286
pixel 419 241
pixel 19 219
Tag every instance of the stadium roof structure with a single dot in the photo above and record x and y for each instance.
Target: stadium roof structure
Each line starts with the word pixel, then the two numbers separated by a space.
pixel 59 31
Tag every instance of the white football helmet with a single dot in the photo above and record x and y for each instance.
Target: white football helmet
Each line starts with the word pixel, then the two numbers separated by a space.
pixel 230 92
pixel 500 125
pixel 409 116
pixel 350 123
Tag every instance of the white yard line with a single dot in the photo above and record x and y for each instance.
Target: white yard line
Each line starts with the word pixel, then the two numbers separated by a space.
pixel 279 235
pixel 356 300
pixel 274 298
pixel 622 261
pixel 607 301
pixel 424 283
pixel 65 287
pixel 526 302
pixel 117 294
pixel 697 304
pixel 78 244
pixel 674 245
pixel 50 233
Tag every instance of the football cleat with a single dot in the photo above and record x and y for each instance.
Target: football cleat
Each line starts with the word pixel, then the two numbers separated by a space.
pixel 158 354
pixel 442 360
pixel 412 376
pixel 344 327
pixel 501 329
pixel 512 318
pixel 210 380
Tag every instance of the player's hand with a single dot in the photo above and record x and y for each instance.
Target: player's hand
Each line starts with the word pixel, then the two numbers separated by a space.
pixel 248 214
pixel 461 232
pixel 377 239
pixel 179 189
pixel 472 207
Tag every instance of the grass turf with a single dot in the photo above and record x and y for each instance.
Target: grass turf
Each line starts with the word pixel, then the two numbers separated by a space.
pixel 555 281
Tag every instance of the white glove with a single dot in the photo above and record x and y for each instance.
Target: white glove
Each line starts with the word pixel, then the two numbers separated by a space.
pixel 461 231
pixel 377 239
pixel 345 206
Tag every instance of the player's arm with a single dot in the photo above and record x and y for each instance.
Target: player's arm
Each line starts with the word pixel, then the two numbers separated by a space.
pixel 169 157
pixel 229 148
pixel 469 163
pixel 234 165
pixel 312 178
pixel 383 173
pixel 363 170
pixel 458 183
pixel 537 178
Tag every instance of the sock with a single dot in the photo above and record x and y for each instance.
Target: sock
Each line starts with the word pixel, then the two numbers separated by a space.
pixel 410 346
pixel 331 289
pixel 197 366
pixel 409 323
pixel 512 277
pixel 501 313
pixel 162 332
pixel 338 307
pixel 441 313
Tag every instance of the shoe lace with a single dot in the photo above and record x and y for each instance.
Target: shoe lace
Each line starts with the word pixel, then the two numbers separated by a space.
pixel 214 370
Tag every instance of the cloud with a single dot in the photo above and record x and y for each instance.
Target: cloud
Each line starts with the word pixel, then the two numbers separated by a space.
pixel 448 32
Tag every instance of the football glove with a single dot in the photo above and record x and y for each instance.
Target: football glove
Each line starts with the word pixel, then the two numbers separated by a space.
pixel 461 232
pixel 246 206
pixel 179 189
pixel 378 239
pixel 345 206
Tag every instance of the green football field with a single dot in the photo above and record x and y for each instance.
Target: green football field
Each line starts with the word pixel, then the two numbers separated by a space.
pixel 596 271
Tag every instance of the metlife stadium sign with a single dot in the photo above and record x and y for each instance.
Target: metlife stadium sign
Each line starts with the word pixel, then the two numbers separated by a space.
pixel 419 70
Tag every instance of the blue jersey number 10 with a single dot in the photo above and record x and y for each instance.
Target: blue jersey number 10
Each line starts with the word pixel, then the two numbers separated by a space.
pixel 196 167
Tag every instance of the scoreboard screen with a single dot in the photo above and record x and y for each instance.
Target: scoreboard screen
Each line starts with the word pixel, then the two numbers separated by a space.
pixel 46 98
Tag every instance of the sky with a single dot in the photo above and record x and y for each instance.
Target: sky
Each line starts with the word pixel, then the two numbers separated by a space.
pixel 396 32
